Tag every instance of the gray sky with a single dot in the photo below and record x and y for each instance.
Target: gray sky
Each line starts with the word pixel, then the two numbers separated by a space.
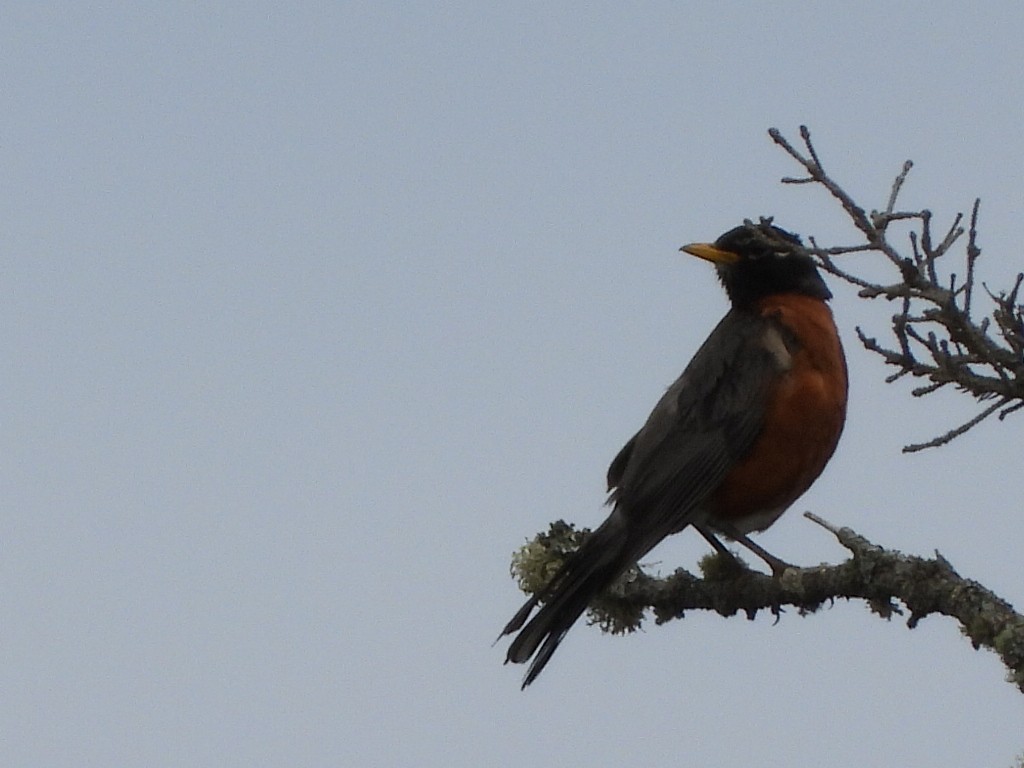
pixel 313 315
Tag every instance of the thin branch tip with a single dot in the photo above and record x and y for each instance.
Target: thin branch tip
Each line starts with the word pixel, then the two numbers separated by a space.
pixel 937 335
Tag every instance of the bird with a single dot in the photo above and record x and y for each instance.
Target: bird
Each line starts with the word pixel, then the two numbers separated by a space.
pixel 733 442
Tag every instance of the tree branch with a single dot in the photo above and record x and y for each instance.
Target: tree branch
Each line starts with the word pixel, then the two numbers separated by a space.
pixel 884 579
pixel 937 335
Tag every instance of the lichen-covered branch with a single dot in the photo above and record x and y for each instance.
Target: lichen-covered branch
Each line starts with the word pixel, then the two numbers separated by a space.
pixel 890 582
pixel 937 334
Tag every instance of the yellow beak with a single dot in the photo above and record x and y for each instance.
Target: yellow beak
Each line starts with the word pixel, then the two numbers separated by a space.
pixel 709 252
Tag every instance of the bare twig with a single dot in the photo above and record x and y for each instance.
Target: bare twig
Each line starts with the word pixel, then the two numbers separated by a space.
pixel 937 336
pixel 954 433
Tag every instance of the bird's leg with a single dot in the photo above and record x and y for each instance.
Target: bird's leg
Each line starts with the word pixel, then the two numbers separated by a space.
pixel 731 561
pixel 718 546
pixel 777 565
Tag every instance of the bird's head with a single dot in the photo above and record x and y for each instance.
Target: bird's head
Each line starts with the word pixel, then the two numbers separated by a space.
pixel 758 260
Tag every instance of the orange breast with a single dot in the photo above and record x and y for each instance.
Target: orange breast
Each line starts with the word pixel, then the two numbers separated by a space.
pixel 802 422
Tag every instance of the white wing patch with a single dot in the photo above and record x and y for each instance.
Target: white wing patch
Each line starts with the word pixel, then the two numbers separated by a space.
pixel 775 343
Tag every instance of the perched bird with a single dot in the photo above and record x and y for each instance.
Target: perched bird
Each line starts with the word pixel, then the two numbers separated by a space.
pixel 733 442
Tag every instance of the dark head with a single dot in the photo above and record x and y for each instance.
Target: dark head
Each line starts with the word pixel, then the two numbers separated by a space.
pixel 758 260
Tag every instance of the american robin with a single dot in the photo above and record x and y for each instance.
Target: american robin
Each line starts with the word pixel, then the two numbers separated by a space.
pixel 735 440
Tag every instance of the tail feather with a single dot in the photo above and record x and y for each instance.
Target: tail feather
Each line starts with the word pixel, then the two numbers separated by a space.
pixel 521 616
pixel 604 555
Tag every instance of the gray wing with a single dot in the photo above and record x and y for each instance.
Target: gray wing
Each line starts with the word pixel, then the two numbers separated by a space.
pixel 706 421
